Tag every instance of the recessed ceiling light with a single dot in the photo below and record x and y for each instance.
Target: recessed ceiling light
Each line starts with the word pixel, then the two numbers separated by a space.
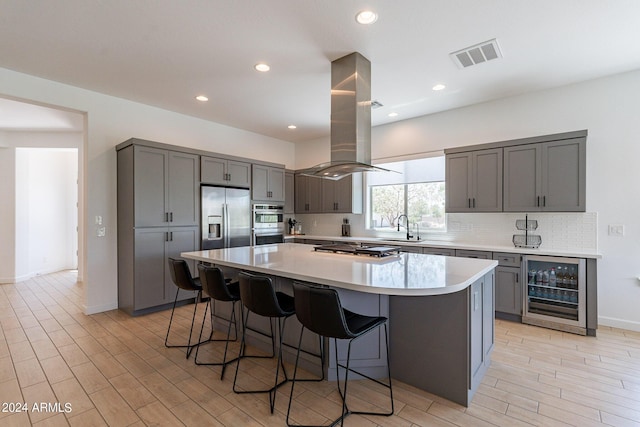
pixel 202 98
pixel 394 114
pixel 262 67
pixel 366 17
pixel 292 127
pixel 438 87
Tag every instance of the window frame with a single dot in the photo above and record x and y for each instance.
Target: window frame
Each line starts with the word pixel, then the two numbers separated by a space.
pixel 368 189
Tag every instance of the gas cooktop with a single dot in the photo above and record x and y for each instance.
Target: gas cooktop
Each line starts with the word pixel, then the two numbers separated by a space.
pixel 342 248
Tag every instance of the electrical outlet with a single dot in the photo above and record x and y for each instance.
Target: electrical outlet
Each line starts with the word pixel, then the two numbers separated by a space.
pixel 102 231
pixel 616 230
pixel 98 220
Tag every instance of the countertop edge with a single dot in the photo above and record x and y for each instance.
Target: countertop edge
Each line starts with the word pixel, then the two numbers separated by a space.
pixel 406 292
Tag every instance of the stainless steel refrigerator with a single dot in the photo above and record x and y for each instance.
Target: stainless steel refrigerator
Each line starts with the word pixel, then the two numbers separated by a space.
pixel 226 217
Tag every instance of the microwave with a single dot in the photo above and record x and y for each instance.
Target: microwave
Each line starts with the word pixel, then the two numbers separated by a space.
pixel 268 217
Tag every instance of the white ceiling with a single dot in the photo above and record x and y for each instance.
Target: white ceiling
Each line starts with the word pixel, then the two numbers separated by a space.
pixel 164 52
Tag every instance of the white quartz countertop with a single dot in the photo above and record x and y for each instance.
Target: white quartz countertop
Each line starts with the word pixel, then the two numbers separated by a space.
pixel 405 274
pixel 451 245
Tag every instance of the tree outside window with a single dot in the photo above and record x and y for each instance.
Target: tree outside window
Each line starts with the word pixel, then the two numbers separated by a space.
pixel 421 196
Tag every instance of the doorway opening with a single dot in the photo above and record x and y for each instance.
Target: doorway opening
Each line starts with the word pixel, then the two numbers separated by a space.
pixel 41 158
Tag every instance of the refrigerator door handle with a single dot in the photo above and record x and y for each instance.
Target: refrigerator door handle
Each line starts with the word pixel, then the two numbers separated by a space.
pixel 225 224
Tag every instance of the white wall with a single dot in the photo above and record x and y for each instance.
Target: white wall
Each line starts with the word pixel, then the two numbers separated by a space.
pixel 46 237
pixel 7 214
pixel 608 108
pixel 110 121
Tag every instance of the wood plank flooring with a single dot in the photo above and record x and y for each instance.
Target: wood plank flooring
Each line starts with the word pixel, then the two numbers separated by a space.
pixel 112 369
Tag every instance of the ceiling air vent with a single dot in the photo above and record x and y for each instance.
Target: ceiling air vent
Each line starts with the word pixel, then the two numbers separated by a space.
pixel 472 55
pixel 376 104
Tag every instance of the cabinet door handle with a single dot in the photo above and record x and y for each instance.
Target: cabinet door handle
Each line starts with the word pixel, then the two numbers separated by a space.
pixel 517 277
pixel 538 202
pixel 166 236
pixel 171 236
pixel 469 203
pixel 474 202
pixel 170 216
pixel 544 200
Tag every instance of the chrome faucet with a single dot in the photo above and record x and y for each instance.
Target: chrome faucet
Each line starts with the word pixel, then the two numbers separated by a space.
pixel 409 236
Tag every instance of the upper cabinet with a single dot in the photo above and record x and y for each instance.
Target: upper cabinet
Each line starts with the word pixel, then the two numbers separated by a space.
pixel 548 176
pixel 318 195
pixel 268 184
pixel 289 193
pixel 165 187
pixel 474 181
pixel 219 171
pixel 343 195
pixel 546 173
pixel 308 194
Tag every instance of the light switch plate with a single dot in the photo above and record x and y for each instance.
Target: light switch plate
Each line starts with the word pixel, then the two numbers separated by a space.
pixel 102 231
pixel 616 230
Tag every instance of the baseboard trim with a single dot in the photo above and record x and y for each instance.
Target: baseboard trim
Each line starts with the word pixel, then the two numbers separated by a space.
pixel 99 308
pixel 619 323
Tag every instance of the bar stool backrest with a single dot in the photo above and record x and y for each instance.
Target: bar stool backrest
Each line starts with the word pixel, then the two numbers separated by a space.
pixel 181 275
pixel 319 310
pixel 213 283
pixel 259 296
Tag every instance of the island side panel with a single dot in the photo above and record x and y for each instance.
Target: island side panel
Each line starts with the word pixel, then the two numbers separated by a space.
pixel 443 343
pixel 429 343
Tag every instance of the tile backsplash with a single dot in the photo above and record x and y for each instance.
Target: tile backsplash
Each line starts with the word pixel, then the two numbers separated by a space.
pixel 566 231
pixel 561 231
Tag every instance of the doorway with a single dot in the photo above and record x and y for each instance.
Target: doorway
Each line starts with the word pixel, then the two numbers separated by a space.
pixel 41 154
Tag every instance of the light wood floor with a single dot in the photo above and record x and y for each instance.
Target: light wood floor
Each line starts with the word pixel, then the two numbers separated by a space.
pixel 114 370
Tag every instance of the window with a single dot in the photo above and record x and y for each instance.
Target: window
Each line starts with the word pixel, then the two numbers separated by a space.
pixel 417 191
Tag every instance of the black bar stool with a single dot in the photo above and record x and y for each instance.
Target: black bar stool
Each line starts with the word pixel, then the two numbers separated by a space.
pixel 220 289
pixel 320 311
pixel 181 277
pixel 259 296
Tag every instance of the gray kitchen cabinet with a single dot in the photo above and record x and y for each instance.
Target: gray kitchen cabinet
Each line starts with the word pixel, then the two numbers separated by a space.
pixel 439 251
pixel 227 172
pixel 158 216
pixel 474 181
pixel 153 284
pixel 508 290
pixel 465 253
pixel 456 357
pixel 508 285
pixel 343 195
pixel 308 190
pixel 268 184
pixel 548 176
pixel 289 193
pixel 408 249
pixel 165 185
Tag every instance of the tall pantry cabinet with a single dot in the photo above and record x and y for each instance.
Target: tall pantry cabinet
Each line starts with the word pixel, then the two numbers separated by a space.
pixel 158 217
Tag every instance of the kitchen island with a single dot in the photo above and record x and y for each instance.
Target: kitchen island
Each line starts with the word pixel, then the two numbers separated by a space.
pixel 440 309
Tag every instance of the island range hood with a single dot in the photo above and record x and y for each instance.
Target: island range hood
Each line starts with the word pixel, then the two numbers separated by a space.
pixel 350 120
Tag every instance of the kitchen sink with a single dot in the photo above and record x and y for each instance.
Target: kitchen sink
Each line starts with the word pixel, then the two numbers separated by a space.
pixel 401 240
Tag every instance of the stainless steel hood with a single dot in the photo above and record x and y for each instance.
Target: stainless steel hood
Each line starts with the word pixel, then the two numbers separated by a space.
pixel 350 119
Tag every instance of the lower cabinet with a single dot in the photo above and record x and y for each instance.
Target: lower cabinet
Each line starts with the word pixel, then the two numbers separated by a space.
pixel 439 251
pixel 508 285
pixel 508 290
pixel 146 284
pixel 482 327
pixel 452 359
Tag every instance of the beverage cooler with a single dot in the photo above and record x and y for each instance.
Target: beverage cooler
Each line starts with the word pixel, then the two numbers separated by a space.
pixel 555 295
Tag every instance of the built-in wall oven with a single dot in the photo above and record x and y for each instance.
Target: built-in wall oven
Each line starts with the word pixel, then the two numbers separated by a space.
pixel 268 224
